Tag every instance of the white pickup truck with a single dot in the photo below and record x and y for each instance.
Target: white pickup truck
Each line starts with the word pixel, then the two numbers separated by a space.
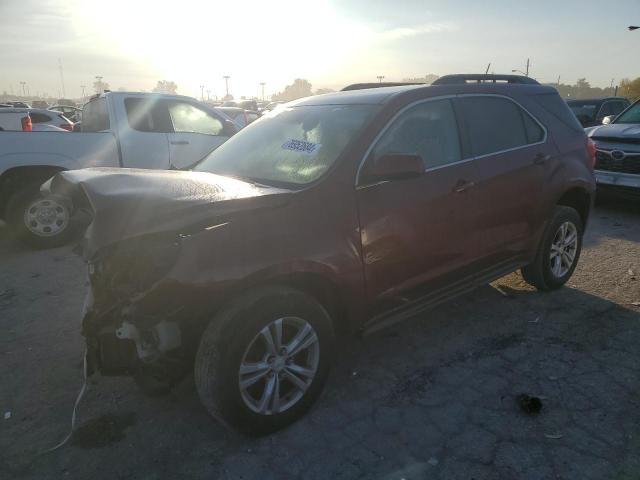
pixel 134 130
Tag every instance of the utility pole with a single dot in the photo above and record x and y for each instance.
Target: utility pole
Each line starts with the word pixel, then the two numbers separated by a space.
pixel 527 67
pixel 23 90
pixel 611 85
pixel 61 77
pixel 226 83
pixel 202 93
pixel 99 81
pixel 83 87
pixel 208 95
pixel 262 84
pixel 380 78
pixel 558 82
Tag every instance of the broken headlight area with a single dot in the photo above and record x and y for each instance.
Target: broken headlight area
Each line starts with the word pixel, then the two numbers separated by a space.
pixel 125 332
pixel 125 271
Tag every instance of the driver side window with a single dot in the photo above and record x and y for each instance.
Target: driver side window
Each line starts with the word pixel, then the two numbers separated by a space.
pixel 428 130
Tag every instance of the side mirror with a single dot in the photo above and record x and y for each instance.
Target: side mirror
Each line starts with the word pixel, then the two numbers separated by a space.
pixel 229 129
pixel 396 166
pixel 608 119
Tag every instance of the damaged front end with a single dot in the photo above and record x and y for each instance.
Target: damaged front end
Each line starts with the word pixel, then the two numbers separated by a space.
pixel 132 323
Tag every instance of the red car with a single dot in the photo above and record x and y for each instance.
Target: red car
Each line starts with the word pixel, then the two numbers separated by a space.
pixel 331 215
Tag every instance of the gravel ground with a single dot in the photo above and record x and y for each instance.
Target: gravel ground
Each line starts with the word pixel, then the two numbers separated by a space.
pixel 434 397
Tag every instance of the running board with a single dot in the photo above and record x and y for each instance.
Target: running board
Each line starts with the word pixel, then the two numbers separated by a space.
pixel 437 297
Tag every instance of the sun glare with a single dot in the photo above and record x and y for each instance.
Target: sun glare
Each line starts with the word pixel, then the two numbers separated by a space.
pixel 192 42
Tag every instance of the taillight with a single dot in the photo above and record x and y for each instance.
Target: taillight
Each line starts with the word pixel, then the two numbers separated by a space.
pixel 27 126
pixel 591 151
pixel 67 126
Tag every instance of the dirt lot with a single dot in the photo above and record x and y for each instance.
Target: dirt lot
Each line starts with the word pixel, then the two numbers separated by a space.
pixel 432 398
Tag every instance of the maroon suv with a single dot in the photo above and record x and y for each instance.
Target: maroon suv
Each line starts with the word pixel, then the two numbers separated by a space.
pixel 333 214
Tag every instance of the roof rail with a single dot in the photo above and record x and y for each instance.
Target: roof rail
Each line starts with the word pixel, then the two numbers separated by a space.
pixel 362 86
pixel 482 78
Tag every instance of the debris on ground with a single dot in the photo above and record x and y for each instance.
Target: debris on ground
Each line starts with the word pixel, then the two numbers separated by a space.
pixel 529 404
pixel 102 431
pixel 631 274
pixel 7 415
pixel 553 436
pixel 433 461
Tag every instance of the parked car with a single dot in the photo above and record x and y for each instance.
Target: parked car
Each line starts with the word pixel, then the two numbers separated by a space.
pixel 15 119
pixel 618 153
pixel 139 130
pixel 72 113
pixel 239 116
pixel 592 111
pixel 41 120
pixel 244 104
pixel 273 105
pixel 40 104
pixel 340 213
pixel 16 104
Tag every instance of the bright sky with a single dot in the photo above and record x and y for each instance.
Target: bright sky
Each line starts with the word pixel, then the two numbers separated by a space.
pixel 134 43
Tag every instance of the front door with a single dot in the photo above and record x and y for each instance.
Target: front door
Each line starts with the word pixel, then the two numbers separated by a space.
pixel 414 231
pixel 196 133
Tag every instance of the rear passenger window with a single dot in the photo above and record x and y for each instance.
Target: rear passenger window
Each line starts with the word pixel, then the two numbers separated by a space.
pixel 147 115
pixel 428 129
pixel 95 117
pixel 496 124
pixel 39 117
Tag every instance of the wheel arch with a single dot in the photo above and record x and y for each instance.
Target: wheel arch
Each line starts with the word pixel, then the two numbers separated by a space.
pixel 578 198
pixel 13 178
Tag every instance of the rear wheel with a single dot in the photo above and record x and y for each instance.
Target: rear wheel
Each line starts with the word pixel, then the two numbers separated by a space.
pixel 559 251
pixel 42 221
pixel 263 362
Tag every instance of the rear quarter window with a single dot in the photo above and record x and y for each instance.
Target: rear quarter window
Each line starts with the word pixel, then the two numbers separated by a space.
pixel 553 104
pixel 39 117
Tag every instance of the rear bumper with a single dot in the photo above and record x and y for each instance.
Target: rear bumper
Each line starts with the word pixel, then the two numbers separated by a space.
pixel 617 179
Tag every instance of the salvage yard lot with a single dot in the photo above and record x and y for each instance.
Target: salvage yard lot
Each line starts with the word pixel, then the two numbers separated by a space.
pixel 433 397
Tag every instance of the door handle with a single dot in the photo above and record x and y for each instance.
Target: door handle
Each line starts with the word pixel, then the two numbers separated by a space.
pixel 463 186
pixel 179 142
pixel 541 159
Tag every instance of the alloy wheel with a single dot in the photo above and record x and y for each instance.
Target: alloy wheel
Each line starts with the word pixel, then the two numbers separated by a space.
pixel 563 249
pixel 279 365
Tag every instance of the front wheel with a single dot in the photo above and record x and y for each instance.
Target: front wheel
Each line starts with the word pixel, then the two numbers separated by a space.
pixel 558 252
pixel 42 221
pixel 263 362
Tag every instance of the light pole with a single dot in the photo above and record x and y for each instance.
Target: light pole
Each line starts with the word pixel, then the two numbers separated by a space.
pixel 519 71
pixel 202 93
pixel 23 91
pixel 262 84
pixel 226 84
pixel 98 83
pixel 208 95
pixel 526 74
pixel 380 78
pixel 83 87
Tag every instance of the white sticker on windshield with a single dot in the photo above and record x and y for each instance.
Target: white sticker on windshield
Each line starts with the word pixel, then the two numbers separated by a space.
pixel 301 146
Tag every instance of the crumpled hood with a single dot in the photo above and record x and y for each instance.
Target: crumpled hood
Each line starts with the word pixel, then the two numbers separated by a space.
pixel 126 203
pixel 617 130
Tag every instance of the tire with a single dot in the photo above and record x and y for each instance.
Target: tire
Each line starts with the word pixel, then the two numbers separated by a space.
pixel 26 200
pixel 541 273
pixel 234 337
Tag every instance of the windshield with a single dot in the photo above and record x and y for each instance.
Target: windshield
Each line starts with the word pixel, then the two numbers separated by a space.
pixel 586 110
pixel 631 115
pixel 293 145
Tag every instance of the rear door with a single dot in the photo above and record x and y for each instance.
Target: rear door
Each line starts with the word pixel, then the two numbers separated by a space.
pixel 415 231
pixel 513 160
pixel 196 133
pixel 143 133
